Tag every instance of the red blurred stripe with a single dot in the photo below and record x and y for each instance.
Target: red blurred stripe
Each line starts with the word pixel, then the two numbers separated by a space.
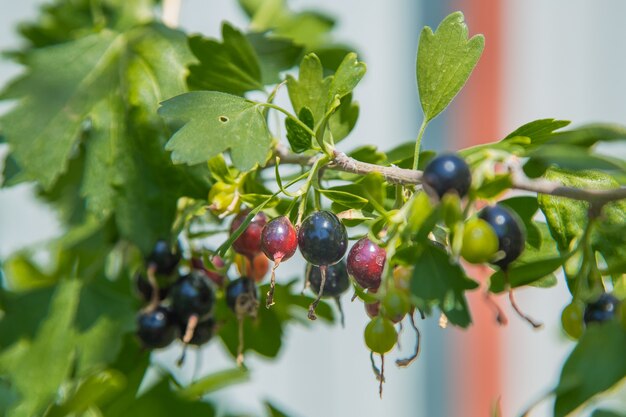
pixel 476 355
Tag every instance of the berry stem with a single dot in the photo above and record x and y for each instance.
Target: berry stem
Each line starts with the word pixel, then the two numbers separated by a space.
pixel 341 315
pixel 418 144
pixel 500 316
pixel 403 363
pixel 270 294
pixel 156 296
pixel 241 341
pixel 518 310
pixel 375 369
pixel 190 329
pixel 382 375
pixel 314 304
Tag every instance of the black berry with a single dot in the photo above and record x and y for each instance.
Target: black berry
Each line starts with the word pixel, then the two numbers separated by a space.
pixel 156 328
pixel 202 333
pixel 249 242
pixel 323 239
pixel 240 292
pixel 509 231
pixel 337 281
pixel 192 295
pixel 366 262
pixel 144 289
pixel 447 173
pixel 163 258
pixel 601 310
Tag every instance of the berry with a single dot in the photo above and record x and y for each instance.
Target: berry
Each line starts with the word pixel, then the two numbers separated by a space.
pixel 572 320
pixel 202 333
pixel 366 261
pixel 279 239
pixel 380 335
pixel 156 328
pixel 447 173
pixel 323 239
pixel 163 259
pixel 508 229
pixel 257 270
pixel 337 281
pixel 249 242
pixel 144 289
pixel 480 242
pixel 240 294
pixel 192 295
pixel 601 310
pixel 395 305
pixel 215 276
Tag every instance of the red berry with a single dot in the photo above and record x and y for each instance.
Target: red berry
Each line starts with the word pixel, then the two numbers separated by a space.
pixel 366 261
pixel 279 239
pixel 249 242
pixel 218 263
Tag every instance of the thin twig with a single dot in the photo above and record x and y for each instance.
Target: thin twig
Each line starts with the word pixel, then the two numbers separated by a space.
pixel 402 176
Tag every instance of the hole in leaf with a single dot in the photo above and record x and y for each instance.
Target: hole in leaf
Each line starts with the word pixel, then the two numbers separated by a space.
pixel 223 119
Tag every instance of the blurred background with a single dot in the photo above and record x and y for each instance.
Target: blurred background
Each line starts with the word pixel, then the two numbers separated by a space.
pixel 563 59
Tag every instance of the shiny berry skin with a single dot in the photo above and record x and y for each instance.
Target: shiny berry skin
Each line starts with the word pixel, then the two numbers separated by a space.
pixel 156 328
pixel 249 242
pixel 447 173
pixel 202 333
pixel 366 261
pixel 601 310
pixel 240 287
pixel 337 281
pixel 279 239
pixel 192 295
pixel 380 335
pixel 508 229
pixel 163 258
pixel 480 242
pixel 322 238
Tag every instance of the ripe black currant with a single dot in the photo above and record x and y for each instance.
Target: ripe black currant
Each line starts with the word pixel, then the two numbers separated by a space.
pixel 163 259
pixel 192 295
pixel 337 281
pixel 241 296
pixel 602 309
pixel 508 229
pixel 322 238
pixel 366 262
pixel 447 173
pixel 279 242
pixel 156 328
pixel 249 242
pixel 202 333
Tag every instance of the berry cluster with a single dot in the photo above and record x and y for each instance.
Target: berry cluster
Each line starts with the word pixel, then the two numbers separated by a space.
pixel 179 306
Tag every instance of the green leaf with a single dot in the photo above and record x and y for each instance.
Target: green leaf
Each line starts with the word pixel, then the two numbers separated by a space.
pixel 344 118
pixel 571 158
pixel 21 273
pixel 346 77
pixel 214 122
pixel 61 99
pixel 345 198
pixel 607 413
pixel 214 382
pixel 311 89
pixel 589 135
pixel 230 67
pixel 275 54
pixel 298 137
pixel 521 274
pixel 37 369
pixel 445 60
pixel 596 364
pixel 538 131
pixel 438 281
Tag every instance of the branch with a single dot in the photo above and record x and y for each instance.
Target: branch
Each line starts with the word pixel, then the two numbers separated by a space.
pixel 402 176
pixel 542 186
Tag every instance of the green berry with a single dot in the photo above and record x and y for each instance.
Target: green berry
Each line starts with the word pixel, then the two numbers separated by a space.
pixel 380 335
pixel 480 242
